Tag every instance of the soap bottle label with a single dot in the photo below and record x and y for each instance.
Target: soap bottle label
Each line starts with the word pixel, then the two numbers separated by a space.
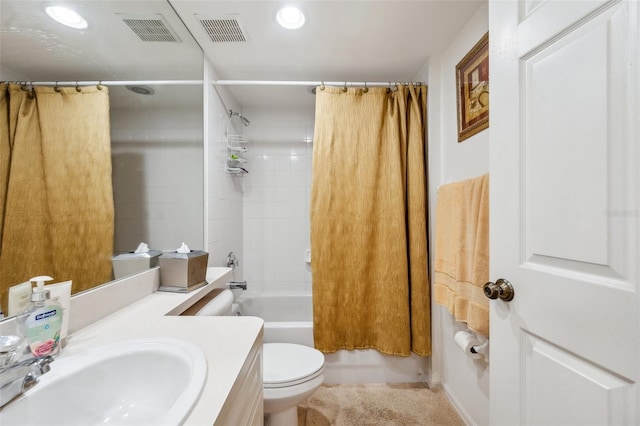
pixel 43 330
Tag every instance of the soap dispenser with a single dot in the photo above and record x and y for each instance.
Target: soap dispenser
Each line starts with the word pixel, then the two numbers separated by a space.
pixel 41 321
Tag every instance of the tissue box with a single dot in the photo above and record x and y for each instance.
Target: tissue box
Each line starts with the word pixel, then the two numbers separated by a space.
pixel 183 270
pixel 131 263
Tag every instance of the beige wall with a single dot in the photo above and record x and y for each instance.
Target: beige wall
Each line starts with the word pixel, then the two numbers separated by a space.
pixel 466 381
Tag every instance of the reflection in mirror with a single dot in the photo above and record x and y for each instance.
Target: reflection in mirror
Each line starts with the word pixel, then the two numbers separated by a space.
pixel 156 131
pixel 157 154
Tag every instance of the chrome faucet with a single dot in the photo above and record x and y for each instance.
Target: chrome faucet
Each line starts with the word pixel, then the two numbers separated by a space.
pixel 237 284
pixel 22 376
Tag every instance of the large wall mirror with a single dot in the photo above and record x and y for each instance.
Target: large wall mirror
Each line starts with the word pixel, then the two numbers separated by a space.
pixel 156 129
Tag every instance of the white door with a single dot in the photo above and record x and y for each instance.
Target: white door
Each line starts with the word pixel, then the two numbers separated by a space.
pixel 565 211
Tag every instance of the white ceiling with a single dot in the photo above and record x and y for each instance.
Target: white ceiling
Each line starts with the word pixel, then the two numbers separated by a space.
pixel 343 40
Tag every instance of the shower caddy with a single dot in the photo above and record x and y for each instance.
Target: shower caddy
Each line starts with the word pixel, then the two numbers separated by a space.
pixel 235 150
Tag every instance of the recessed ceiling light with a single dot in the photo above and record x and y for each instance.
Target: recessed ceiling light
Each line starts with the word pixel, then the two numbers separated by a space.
pixel 66 17
pixel 290 17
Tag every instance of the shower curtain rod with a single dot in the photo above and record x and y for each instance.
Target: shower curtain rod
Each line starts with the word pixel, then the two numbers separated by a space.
pixel 214 82
pixel 306 83
pixel 112 82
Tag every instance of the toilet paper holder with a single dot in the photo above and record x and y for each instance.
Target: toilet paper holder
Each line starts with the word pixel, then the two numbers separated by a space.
pixel 479 349
pixel 472 345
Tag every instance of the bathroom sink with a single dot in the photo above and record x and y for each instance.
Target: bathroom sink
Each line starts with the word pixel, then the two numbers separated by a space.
pixel 151 381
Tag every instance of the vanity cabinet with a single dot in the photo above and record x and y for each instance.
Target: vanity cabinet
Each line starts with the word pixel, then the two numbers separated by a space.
pixel 232 393
pixel 244 405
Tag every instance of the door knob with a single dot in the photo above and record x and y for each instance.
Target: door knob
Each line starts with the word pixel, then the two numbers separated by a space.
pixel 500 289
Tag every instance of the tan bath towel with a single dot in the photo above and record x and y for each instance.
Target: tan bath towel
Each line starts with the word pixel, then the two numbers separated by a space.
pixel 462 251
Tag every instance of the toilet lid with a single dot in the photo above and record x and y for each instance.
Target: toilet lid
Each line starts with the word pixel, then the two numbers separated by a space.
pixel 289 364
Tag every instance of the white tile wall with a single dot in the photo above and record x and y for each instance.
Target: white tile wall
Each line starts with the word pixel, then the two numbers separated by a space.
pixel 157 177
pixel 262 217
pixel 276 216
pixel 159 180
pixel 225 191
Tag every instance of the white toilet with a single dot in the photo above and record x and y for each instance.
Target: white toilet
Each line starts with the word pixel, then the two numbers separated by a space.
pixel 291 373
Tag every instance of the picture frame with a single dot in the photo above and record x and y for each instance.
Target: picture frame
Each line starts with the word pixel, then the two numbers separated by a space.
pixel 472 88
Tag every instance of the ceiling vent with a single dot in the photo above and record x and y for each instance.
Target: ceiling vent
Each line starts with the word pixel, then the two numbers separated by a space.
pixel 150 27
pixel 223 29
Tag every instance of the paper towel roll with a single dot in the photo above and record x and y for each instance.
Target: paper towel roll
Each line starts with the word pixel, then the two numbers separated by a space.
pixel 220 305
pixel 465 340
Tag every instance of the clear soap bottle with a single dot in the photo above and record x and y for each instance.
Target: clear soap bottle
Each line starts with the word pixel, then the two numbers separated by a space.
pixel 40 323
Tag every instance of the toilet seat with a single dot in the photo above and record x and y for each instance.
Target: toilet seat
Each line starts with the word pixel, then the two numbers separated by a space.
pixel 287 364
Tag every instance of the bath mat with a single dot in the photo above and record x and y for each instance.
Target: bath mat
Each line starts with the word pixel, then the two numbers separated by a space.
pixel 377 404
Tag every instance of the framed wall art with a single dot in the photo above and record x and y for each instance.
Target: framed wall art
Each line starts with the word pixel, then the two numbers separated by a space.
pixel 472 76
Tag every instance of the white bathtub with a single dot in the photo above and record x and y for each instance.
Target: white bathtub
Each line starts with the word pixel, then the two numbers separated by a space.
pixel 288 319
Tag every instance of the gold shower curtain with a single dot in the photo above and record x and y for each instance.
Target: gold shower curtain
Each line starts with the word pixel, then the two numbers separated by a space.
pixel 56 205
pixel 368 221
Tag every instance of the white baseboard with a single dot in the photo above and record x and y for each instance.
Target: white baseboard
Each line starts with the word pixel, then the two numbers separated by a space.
pixel 466 418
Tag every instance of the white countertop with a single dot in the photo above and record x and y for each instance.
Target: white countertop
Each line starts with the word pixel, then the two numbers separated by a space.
pixel 225 341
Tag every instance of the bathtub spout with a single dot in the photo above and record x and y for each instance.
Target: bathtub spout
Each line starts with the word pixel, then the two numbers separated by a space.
pixel 238 285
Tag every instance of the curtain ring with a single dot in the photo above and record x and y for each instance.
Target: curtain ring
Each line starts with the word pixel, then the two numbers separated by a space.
pixel 344 88
pixel 366 89
pixel 99 86
pixel 29 90
pixel 78 89
pixel 56 88
pixel 322 85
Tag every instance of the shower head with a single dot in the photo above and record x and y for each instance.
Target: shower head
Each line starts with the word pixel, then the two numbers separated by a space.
pixel 244 120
